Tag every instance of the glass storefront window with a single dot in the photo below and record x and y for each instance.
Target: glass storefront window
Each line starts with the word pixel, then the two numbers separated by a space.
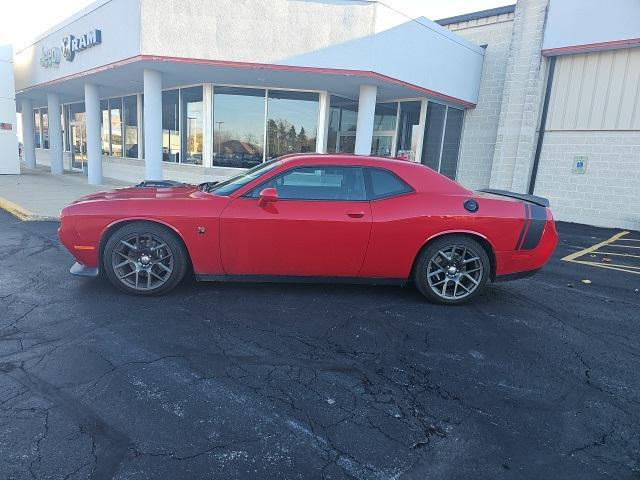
pixel 73 112
pixel 65 127
pixel 76 112
pixel 343 118
pixel 192 125
pixel 384 126
pixel 130 122
pixel 170 126
pixel 292 125
pixel 45 127
pixel 104 126
pixel 408 130
pixel 433 135
pixel 451 142
pixel 442 138
pixel 115 113
pixel 37 129
pixel 238 126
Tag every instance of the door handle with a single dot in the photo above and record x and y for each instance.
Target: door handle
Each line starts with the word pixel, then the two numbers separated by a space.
pixel 356 214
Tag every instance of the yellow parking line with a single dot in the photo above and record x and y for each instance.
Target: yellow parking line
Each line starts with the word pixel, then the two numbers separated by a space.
pixel 617 254
pixel 15 209
pixel 571 257
pixel 609 266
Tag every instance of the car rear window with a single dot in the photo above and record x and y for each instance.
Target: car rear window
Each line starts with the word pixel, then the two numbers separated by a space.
pixel 383 183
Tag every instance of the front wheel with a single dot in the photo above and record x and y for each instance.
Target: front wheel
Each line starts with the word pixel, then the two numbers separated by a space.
pixel 452 270
pixel 144 258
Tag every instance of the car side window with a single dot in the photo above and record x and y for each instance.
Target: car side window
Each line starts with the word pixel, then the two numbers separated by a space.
pixel 382 183
pixel 317 183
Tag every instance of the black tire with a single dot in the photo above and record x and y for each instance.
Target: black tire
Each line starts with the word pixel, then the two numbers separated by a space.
pixel 434 272
pixel 155 245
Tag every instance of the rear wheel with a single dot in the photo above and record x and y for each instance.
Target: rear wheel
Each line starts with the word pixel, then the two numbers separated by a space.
pixel 452 270
pixel 144 258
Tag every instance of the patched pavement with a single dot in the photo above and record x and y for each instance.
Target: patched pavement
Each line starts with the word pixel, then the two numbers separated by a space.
pixel 538 378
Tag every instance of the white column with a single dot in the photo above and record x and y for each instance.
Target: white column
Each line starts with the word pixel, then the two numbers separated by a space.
pixel 28 133
pixel 139 122
pixel 207 125
pixel 323 122
pixel 55 133
pixel 94 150
pixel 152 125
pixel 366 113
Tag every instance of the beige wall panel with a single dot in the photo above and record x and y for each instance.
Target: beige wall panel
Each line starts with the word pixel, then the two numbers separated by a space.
pixel 629 103
pixel 558 98
pixel 600 94
pixel 616 85
pixel 596 91
pixel 587 93
pixel 574 92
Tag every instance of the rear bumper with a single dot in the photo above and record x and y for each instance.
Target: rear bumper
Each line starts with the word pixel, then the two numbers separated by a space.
pixel 83 271
pixel 522 261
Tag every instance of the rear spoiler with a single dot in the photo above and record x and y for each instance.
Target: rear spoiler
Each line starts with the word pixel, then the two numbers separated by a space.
pixel 543 202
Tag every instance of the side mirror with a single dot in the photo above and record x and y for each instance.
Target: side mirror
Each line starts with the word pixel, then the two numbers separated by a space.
pixel 267 196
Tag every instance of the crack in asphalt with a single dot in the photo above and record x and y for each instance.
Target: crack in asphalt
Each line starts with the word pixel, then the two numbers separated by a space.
pixel 274 381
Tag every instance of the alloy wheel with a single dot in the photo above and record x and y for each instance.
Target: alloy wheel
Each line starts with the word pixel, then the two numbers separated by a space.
pixel 142 261
pixel 454 272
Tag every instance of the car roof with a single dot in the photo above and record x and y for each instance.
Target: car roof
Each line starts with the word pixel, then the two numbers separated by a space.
pixel 419 176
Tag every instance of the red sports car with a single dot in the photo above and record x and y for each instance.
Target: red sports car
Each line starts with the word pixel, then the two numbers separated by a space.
pixel 312 217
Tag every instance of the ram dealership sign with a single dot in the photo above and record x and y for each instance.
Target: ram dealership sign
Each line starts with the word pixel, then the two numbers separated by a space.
pixel 51 57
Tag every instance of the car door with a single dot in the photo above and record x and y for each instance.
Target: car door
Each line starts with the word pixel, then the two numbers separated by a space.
pixel 318 226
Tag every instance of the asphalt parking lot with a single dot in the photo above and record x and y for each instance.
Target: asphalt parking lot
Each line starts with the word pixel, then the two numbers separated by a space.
pixel 539 378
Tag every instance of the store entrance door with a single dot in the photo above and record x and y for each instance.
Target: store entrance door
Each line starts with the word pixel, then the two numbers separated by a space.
pixel 79 146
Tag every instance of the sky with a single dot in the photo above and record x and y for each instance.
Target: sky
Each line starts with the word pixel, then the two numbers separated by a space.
pixel 24 20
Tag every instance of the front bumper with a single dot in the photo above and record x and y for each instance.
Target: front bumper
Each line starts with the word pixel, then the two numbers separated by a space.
pixel 83 271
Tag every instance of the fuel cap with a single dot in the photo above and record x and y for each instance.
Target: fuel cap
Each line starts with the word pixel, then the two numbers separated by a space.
pixel 471 206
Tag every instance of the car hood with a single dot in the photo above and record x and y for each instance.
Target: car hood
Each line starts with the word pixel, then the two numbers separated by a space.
pixel 132 193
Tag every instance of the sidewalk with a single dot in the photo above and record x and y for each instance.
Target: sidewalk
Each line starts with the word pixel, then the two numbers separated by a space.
pixel 38 195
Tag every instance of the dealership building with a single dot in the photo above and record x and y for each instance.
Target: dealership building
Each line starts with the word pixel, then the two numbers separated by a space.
pixel 542 96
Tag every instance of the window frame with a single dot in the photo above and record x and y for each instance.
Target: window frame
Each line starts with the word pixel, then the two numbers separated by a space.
pixel 248 193
pixel 369 184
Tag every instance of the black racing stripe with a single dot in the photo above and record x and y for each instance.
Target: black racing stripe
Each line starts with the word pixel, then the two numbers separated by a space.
pixel 538 222
pixel 524 226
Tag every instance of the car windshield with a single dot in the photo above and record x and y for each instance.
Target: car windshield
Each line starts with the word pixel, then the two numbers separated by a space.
pixel 234 183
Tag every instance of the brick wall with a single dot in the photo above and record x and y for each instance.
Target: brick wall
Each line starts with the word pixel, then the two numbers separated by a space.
pixel 522 99
pixel 608 194
pixel 481 123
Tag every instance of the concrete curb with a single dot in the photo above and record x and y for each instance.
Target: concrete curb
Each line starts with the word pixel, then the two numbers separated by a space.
pixel 22 213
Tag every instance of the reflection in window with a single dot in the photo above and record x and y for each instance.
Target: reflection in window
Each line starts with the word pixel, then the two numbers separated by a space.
pixel 434 125
pixel 238 126
pixel 442 138
pixel 115 107
pixel 451 143
pixel 343 118
pixel 292 125
pixel 408 130
pixel 130 117
pixel 192 125
pixel 170 127
pixel 73 112
pixel 318 183
pixel 37 129
pixel 383 184
pixel 384 126
pixel 104 126
pixel 45 127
